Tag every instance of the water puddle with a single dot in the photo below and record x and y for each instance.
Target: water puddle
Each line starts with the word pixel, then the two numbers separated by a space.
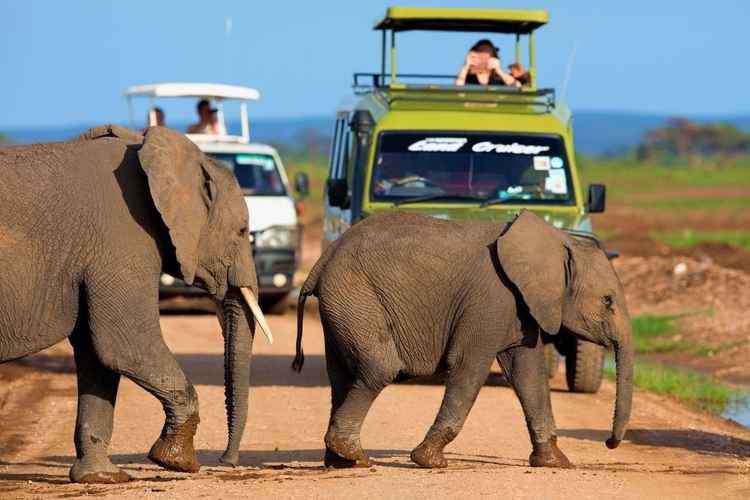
pixel 738 407
pixel 739 411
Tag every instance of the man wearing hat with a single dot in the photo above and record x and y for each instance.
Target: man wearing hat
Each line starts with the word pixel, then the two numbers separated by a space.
pixel 208 123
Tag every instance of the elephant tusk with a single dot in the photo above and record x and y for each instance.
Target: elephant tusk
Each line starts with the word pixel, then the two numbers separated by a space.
pixel 255 308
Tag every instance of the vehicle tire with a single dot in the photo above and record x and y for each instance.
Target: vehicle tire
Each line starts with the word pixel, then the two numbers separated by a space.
pixel 275 306
pixel 584 367
pixel 552 359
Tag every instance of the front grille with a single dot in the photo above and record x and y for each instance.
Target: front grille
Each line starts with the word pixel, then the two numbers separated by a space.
pixel 282 267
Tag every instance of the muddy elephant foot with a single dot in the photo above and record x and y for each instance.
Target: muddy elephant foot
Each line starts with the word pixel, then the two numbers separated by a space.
pixel 175 451
pixel 429 455
pixel 549 455
pixel 105 478
pixel 101 473
pixel 337 462
pixel 342 454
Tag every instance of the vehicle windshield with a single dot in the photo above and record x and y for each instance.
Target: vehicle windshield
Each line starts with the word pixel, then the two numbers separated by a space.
pixel 460 167
pixel 257 174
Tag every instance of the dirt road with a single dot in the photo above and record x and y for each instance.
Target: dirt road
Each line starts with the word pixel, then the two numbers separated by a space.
pixel 669 452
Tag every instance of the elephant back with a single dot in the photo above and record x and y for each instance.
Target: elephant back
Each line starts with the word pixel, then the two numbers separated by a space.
pixel 110 130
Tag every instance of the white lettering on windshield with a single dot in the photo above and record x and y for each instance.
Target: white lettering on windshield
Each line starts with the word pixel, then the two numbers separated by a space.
pixel 444 144
pixel 515 148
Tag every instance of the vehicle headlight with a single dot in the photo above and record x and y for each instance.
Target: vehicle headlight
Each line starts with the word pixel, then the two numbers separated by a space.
pixel 278 237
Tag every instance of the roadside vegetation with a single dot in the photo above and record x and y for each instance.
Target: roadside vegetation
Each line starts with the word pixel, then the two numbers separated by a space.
pixel 682 168
pixel 661 334
pixel 688 238
pixel 654 334
pixel 690 388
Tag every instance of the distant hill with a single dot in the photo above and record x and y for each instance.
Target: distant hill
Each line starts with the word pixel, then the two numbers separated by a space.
pixel 595 132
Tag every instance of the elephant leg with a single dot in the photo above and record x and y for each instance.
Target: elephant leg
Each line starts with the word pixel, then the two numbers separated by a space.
pixel 526 371
pixel 97 392
pixel 351 399
pixel 133 346
pixel 466 376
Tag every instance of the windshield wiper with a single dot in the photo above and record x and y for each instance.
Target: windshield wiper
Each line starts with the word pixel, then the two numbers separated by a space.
pixel 499 201
pixel 437 196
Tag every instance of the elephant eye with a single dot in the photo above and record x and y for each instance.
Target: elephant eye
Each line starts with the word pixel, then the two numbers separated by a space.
pixel 608 301
pixel 242 232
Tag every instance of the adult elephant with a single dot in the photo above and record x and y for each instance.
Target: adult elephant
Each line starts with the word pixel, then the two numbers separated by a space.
pixel 403 295
pixel 86 228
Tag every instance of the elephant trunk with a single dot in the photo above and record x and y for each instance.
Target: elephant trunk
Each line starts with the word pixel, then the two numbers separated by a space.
pixel 238 327
pixel 624 398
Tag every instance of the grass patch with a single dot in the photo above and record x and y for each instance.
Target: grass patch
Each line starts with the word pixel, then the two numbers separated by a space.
pixel 690 237
pixel 688 387
pixel 657 334
pixel 709 351
pixel 699 204
pixel 650 333
pixel 624 176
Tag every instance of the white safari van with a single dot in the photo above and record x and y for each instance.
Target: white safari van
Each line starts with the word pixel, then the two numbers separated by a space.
pixel 274 225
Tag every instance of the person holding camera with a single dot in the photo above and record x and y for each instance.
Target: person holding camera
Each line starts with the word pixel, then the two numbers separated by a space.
pixel 482 67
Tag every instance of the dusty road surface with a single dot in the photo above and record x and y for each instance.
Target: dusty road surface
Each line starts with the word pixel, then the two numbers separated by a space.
pixel 669 452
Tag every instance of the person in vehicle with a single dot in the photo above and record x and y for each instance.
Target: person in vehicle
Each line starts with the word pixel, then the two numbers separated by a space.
pixel 207 124
pixel 159 114
pixel 269 182
pixel 390 172
pixel 482 67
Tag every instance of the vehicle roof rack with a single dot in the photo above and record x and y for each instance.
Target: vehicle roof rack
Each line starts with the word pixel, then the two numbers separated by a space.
pixel 455 19
pixel 214 91
pixel 541 100
pixel 515 22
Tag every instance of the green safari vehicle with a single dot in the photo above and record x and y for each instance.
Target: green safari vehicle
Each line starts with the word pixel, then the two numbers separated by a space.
pixel 420 142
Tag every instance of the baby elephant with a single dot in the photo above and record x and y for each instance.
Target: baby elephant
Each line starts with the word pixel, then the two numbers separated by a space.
pixel 404 295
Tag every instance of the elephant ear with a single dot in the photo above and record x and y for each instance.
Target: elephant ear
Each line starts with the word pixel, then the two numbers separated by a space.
pixel 110 130
pixel 182 191
pixel 533 255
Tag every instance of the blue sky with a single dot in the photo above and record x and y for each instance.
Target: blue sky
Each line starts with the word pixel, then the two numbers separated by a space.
pixel 67 63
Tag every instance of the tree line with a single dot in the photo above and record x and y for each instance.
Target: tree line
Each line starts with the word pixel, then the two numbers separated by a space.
pixel 684 140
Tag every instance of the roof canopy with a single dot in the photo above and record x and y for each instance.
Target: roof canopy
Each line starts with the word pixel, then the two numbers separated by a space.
pixel 201 90
pixel 453 19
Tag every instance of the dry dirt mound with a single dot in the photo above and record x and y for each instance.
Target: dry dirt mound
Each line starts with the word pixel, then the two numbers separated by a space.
pixel 715 300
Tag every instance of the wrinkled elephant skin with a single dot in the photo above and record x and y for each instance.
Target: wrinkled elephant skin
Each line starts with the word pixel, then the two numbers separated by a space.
pixel 405 295
pixel 86 228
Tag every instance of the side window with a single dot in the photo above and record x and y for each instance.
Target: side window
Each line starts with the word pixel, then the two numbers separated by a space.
pixel 340 146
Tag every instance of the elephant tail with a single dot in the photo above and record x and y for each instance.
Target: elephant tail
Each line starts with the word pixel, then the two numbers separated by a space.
pixel 299 357
pixel 309 287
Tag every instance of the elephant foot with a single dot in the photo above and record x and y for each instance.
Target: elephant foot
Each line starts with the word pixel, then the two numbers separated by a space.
pixel 429 455
pixel 342 453
pixel 337 462
pixel 175 451
pixel 549 455
pixel 107 474
pixel 104 478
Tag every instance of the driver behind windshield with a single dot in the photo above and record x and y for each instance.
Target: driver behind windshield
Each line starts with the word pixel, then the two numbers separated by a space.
pixel 390 172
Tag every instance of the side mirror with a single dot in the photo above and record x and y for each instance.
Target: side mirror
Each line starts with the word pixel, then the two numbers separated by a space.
pixel 301 183
pixel 597 196
pixel 338 193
